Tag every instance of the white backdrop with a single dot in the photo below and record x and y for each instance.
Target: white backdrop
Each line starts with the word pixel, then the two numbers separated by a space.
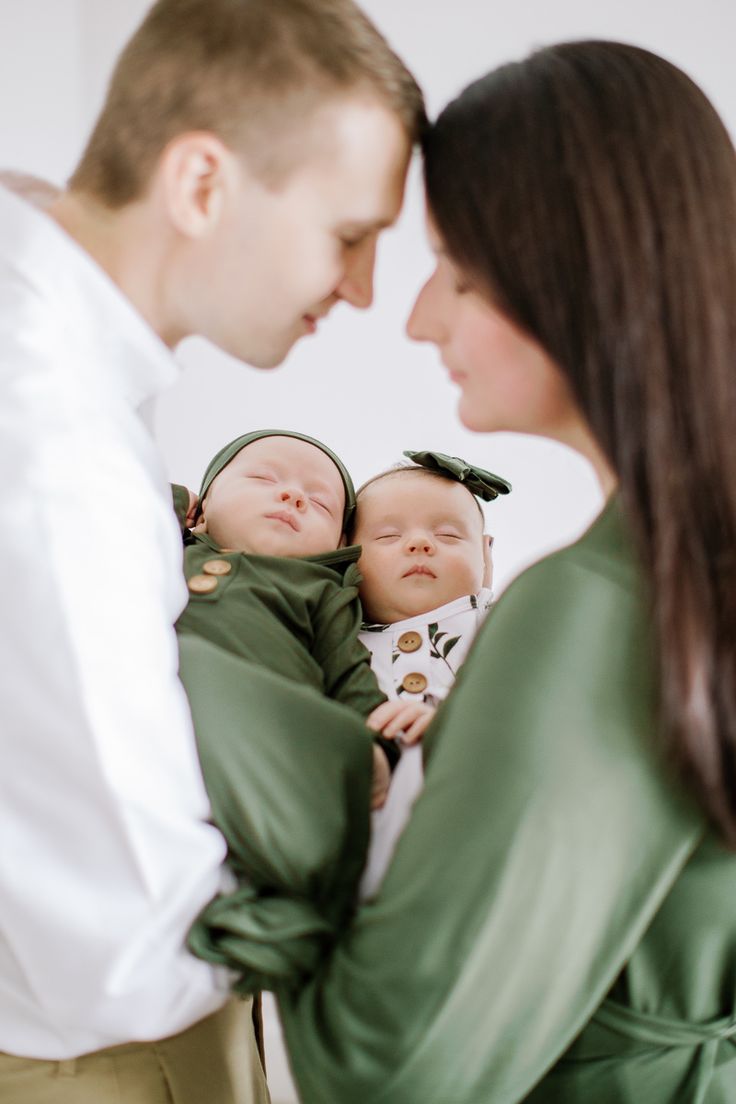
pixel 359 384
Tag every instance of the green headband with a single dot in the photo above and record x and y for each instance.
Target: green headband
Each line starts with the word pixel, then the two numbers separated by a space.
pixel 226 454
pixel 483 484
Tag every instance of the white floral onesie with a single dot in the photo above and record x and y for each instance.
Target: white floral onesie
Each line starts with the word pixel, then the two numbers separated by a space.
pixel 415 658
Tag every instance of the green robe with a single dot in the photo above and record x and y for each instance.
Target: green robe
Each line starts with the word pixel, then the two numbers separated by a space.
pixel 299 617
pixel 558 924
pixel 287 771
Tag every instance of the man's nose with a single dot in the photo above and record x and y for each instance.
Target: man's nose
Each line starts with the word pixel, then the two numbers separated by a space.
pixel 356 286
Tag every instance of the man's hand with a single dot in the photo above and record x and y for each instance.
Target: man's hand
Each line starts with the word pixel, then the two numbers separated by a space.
pixel 408 719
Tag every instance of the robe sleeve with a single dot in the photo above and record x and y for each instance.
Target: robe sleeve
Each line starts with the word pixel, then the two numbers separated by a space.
pixel 288 776
pixel 180 502
pixel 344 659
pixel 543 843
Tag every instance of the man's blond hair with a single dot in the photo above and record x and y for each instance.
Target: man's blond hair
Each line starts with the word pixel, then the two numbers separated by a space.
pixel 248 71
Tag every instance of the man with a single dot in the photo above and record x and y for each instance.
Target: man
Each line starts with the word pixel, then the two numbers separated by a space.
pixel 246 159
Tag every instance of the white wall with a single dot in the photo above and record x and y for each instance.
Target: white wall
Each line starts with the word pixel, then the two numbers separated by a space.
pixel 359 384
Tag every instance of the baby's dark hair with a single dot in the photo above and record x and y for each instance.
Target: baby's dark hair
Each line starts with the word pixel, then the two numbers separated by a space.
pixel 403 469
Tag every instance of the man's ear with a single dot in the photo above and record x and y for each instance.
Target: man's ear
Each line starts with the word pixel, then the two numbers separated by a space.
pixel 194 171
pixel 487 561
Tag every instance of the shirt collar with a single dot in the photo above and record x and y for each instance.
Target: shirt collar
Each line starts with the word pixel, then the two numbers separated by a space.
pixel 36 250
pixel 458 605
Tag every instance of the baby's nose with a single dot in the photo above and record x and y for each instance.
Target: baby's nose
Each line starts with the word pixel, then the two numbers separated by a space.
pixel 294 496
pixel 418 543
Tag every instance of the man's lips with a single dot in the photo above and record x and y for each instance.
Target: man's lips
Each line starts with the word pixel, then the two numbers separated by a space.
pixel 287 518
pixel 419 569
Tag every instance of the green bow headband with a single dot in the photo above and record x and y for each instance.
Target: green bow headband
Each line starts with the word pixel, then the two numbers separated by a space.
pixel 226 454
pixel 483 484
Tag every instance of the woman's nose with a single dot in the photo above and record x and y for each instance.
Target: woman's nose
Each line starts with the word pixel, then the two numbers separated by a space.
pixel 423 323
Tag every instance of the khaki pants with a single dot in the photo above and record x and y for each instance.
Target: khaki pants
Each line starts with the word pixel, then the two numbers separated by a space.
pixel 213 1062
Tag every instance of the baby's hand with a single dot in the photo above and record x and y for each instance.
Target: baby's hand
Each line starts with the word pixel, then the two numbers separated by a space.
pixel 408 719
pixel 381 777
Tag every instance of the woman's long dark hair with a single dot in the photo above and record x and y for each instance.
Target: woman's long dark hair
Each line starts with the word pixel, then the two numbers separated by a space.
pixel 591 191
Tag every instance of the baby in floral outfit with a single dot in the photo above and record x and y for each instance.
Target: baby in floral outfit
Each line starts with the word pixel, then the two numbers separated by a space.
pixel 426 571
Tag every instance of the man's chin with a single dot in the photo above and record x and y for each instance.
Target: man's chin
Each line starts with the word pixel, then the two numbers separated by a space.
pixel 264 358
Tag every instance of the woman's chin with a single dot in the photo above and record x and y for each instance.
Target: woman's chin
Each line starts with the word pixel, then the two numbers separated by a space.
pixel 473 419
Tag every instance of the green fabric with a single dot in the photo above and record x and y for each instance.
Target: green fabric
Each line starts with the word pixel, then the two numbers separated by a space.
pixel 180 502
pixel 288 774
pixel 226 454
pixel 482 483
pixel 299 617
pixel 549 863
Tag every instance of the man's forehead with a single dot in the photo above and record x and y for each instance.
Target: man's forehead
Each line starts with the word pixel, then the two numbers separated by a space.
pixel 356 152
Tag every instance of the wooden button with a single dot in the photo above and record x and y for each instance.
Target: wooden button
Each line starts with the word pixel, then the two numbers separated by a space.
pixel 409 642
pixel 414 683
pixel 202 584
pixel 217 567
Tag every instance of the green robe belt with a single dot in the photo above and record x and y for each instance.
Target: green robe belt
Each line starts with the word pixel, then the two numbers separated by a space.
pixel 661 1059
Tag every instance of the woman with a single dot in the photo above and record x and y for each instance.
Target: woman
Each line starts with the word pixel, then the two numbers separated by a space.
pixel 559 922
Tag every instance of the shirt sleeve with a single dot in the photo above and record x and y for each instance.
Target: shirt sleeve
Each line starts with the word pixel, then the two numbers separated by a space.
pixel 545 839
pixel 107 855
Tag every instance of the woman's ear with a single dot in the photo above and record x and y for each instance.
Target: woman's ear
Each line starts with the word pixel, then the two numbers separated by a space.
pixel 487 561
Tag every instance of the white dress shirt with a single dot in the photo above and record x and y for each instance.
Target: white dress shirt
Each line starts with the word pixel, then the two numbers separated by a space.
pixel 105 854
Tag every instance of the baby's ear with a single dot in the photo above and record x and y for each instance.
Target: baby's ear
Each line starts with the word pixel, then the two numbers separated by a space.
pixel 343 541
pixel 192 510
pixel 199 520
pixel 487 561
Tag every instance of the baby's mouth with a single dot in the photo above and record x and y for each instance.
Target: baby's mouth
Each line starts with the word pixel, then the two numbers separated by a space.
pixel 287 518
pixel 419 569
